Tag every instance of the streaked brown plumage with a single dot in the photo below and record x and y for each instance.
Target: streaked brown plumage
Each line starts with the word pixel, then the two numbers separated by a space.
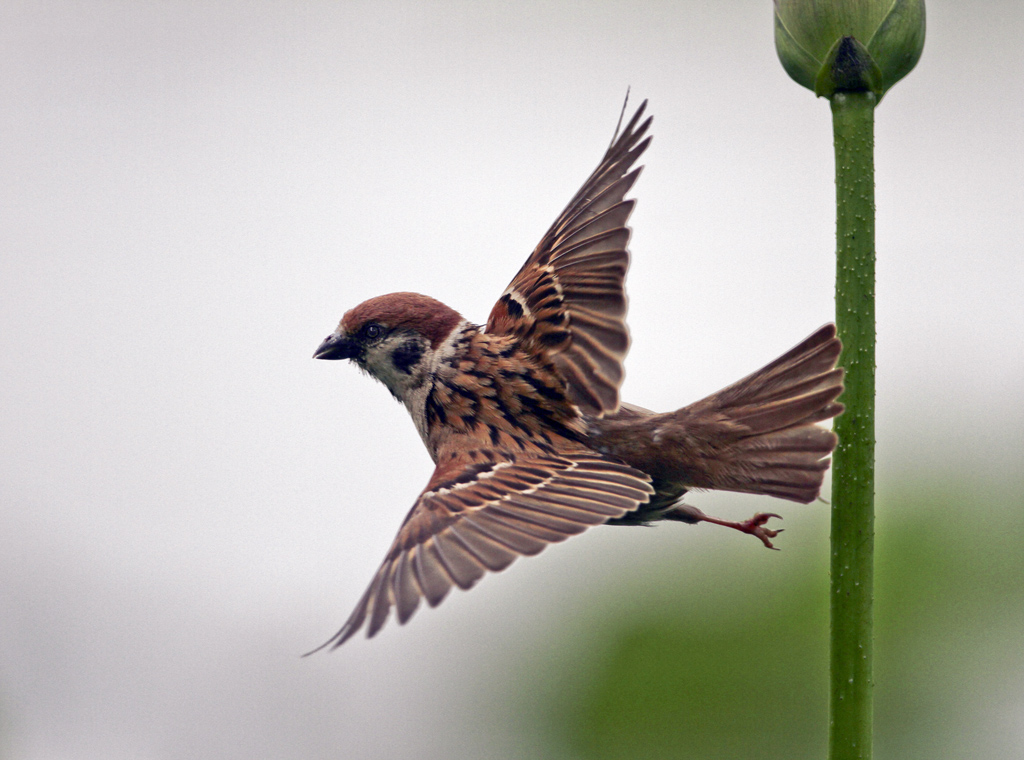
pixel 523 419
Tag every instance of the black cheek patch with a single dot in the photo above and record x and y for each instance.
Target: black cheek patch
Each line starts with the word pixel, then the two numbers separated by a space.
pixel 407 355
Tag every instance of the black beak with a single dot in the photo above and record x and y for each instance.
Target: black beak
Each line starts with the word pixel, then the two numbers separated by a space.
pixel 336 346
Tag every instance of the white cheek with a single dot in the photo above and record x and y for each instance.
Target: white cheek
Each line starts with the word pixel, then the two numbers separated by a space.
pixel 411 388
pixel 380 362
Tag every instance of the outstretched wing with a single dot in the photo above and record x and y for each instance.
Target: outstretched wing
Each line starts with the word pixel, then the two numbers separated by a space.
pixel 481 511
pixel 569 300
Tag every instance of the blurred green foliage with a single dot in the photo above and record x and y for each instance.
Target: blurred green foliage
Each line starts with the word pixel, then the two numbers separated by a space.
pixel 726 657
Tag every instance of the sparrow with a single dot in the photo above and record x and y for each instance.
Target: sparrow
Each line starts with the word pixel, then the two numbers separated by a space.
pixel 523 420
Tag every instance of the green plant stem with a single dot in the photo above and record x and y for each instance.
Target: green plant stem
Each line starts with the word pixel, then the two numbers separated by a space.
pixel 853 471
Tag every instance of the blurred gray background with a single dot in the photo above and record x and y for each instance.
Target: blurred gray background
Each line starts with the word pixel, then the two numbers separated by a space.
pixel 193 193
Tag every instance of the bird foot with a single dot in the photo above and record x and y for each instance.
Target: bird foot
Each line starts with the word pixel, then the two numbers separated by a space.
pixel 755 526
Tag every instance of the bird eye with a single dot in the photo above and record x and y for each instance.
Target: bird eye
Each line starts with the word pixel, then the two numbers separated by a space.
pixel 373 331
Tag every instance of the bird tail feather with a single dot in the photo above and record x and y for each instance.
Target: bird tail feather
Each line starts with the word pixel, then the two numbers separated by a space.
pixel 773 445
pixel 759 435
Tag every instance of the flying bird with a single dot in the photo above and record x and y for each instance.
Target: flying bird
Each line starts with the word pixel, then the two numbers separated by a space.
pixel 523 419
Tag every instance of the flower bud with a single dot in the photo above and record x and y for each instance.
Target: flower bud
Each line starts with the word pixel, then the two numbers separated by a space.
pixel 834 46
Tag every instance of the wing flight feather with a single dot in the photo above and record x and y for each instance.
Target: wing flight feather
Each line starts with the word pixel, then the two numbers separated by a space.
pixel 477 516
pixel 569 300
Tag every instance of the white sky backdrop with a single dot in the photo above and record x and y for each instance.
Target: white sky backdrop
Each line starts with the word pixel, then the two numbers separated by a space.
pixel 193 193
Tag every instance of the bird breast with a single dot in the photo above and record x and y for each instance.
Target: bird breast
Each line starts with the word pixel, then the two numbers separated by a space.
pixel 484 391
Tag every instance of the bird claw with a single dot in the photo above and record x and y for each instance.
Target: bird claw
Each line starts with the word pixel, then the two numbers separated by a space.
pixel 755 526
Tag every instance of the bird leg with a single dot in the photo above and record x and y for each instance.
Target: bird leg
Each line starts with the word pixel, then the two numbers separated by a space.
pixel 755 526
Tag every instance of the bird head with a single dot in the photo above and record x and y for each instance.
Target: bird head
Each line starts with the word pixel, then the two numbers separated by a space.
pixel 393 338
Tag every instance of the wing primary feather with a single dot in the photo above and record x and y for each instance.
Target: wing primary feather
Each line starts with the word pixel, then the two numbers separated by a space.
pixel 507 534
pixel 583 486
pixel 587 499
pixel 407 592
pixel 486 550
pixel 352 625
pixel 559 508
pixel 430 574
pixel 440 564
pixel 558 520
pixel 459 562
pixel 381 601
pixel 539 525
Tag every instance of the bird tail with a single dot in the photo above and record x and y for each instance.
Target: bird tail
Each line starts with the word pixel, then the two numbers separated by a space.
pixel 758 435
pixel 775 446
